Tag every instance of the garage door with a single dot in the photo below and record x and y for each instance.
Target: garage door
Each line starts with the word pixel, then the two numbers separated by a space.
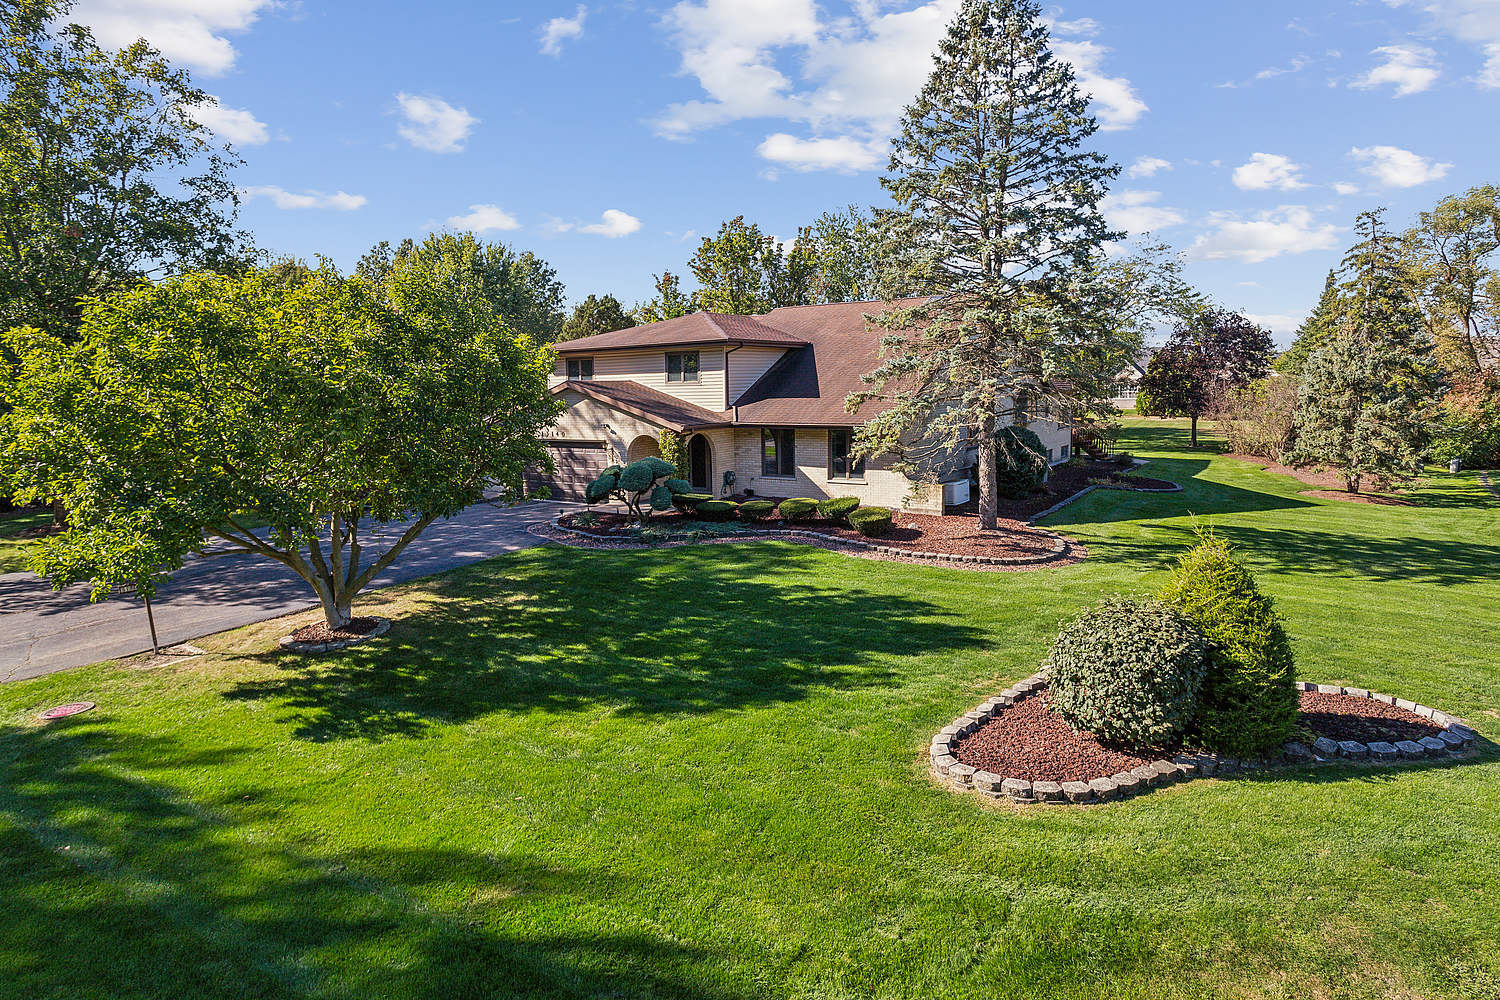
pixel 578 464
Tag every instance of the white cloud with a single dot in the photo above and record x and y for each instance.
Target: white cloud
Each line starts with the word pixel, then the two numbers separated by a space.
pixel 557 30
pixel 189 32
pixel 613 224
pixel 1290 229
pixel 1489 77
pixel 282 198
pixel 847 78
pixel 1399 168
pixel 844 153
pixel 233 124
pixel 1411 69
pixel 1148 166
pixel 1344 189
pixel 433 124
pixel 1281 324
pixel 484 219
pixel 1137 211
pixel 1474 21
pixel 1267 171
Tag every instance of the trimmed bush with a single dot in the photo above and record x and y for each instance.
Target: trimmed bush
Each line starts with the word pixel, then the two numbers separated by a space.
pixel 1128 672
pixel 838 508
pixel 599 490
pixel 679 486
pixel 756 510
pixel 1248 703
pixel 872 522
pixel 1020 462
pixel 661 498
pixel 798 509
pixel 659 467
pixel 636 477
pixel 687 502
pixel 716 510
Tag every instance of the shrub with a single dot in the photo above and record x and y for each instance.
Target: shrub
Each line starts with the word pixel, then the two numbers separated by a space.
pixel 659 467
pixel 1248 702
pixel 838 508
pixel 636 477
pixel 1020 462
pixel 798 509
pixel 688 502
pixel 716 510
pixel 756 510
pixel 872 522
pixel 599 490
pixel 661 498
pixel 679 486
pixel 1469 423
pixel 1128 672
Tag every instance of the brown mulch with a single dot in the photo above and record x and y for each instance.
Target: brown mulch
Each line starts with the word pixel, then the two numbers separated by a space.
pixel 1342 717
pixel 1375 498
pixel 1066 480
pixel 1330 485
pixel 320 632
pixel 1032 742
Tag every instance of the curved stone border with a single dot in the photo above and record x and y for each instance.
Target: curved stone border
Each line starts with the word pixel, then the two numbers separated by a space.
pixel 1456 740
pixel 383 625
pixel 1058 549
pixel 1176 488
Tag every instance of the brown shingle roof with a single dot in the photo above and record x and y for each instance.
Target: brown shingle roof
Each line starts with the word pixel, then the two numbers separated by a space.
pixel 694 328
pixel 647 403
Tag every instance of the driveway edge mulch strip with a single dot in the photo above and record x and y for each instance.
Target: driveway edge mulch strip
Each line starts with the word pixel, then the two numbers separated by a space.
pixel 1455 739
pixel 1063 551
pixel 291 644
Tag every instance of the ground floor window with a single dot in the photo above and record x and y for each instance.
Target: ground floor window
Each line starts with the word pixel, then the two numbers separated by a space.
pixel 778 451
pixel 841 465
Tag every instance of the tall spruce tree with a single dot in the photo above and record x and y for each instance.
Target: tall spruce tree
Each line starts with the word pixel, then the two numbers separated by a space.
pixel 1315 330
pixel 997 217
pixel 1367 397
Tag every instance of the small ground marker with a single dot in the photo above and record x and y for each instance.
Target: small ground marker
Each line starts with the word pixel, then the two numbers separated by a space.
pixel 63 711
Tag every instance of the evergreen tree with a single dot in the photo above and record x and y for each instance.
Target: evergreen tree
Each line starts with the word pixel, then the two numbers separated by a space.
pixel 669 303
pixel 1315 330
pixel 1368 393
pixel 596 314
pixel 997 212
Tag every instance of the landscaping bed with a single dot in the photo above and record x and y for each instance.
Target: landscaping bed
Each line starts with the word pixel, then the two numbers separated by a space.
pixel 1066 480
pixel 1327 485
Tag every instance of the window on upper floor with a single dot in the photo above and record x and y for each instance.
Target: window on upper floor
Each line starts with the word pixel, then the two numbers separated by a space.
pixel 682 367
pixel 778 451
pixel 840 464
pixel 580 368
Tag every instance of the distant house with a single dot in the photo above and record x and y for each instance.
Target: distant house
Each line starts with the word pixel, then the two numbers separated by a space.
pixel 1128 382
pixel 758 397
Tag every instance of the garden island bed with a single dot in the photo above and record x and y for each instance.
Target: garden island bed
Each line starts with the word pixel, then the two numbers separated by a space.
pixel 1016 746
pixel 920 538
pixel 1068 481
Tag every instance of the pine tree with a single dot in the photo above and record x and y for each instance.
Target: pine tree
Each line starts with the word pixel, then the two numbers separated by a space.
pixel 997 218
pixel 1368 393
pixel 1315 330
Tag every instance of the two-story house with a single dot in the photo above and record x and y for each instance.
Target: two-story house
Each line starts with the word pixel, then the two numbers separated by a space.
pixel 761 397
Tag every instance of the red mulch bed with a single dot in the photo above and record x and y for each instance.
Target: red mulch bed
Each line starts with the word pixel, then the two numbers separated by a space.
pixel 1342 717
pixel 1031 742
pixel 953 534
pixel 356 629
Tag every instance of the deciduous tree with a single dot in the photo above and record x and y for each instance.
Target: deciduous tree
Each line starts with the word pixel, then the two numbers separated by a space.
pixel 596 314
pixel 1451 261
pixel 669 302
pixel 1216 353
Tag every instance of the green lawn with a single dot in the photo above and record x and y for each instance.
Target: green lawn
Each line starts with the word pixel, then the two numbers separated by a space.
pixel 701 773
pixel 13 548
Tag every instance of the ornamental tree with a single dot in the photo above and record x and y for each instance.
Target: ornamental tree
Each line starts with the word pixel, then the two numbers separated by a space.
pixel 643 487
pixel 319 405
pixel 1215 353
pixel 999 228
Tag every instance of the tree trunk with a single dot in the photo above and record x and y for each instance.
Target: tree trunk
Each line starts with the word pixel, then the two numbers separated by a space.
pixel 59 514
pixel 988 501
pixel 1351 484
pixel 1194 422
pixel 337 608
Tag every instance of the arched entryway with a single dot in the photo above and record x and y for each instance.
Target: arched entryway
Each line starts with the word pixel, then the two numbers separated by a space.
pixel 644 446
pixel 700 464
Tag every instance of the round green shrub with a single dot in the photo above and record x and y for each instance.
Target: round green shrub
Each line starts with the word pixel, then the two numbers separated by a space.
pixel 1248 703
pixel 687 502
pixel 613 470
pixel 659 467
pixel 756 510
pixel 599 490
pixel 798 509
pixel 872 522
pixel 636 476
pixel 1128 672
pixel 1020 462
pixel 838 508
pixel 679 485
pixel 661 498
pixel 716 510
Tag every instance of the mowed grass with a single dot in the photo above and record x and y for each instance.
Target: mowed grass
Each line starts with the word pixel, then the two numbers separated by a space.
pixel 13 548
pixel 700 772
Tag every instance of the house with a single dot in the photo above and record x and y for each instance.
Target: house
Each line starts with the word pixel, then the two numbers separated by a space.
pixel 759 401
pixel 1128 382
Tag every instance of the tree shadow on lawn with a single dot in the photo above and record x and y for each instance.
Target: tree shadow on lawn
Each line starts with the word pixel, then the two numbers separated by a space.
pixel 1198 496
pixel 680 631
pixel 113 885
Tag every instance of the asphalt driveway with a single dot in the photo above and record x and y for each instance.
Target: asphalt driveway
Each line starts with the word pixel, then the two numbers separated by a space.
pixel 43 630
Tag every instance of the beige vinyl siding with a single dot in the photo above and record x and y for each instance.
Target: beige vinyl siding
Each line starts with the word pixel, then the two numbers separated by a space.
pixel 649 367
pixel 746 366
pixel 881 485
pixel 587 419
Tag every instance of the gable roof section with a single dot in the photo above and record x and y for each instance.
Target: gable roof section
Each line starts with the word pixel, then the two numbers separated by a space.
pixel 647 403
pixel 694 328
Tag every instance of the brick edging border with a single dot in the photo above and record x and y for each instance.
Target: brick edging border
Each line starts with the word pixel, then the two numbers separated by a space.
pixel 383 625
pixel 1458 739
pixel 1058 549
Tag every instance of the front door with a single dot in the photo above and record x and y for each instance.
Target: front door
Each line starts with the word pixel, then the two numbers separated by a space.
pixel 699 472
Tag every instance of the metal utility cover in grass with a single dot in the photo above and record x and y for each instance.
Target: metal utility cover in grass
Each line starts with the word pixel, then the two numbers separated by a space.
pixel 63 711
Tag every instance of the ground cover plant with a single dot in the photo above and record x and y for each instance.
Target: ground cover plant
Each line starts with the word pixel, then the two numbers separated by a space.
pixel 701 772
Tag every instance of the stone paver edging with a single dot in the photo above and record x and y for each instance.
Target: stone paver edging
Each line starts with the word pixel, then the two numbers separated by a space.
pixel 1057 549
pixel 1456 740
pixel 382 626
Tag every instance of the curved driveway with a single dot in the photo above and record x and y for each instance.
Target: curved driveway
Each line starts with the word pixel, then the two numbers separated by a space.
pixel 43 630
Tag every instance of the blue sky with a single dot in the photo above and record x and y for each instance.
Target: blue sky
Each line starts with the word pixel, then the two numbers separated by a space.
pixel 605 136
